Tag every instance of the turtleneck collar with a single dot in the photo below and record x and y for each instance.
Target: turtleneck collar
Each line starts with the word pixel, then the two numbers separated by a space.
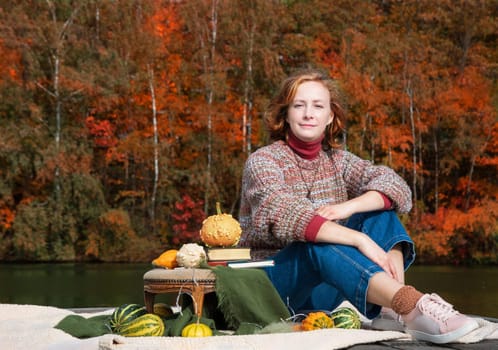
pixel 306 150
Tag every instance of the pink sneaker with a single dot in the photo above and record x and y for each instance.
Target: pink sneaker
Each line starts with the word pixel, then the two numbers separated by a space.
pixel 435 320
pixel 388 320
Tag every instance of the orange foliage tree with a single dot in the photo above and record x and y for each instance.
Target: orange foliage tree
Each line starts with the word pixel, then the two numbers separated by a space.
pixel 126 121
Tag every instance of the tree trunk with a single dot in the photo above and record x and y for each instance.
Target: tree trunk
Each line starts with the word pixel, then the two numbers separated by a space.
pixel 469 184
pixel 480 151
pixel 58 121
pixel 152 210
pixel 246 118
pixel 436 171
pixel 411 113
pixel 55 93
pixel 210 92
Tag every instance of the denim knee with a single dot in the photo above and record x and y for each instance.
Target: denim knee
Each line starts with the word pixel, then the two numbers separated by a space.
pixel 385 228
pixel 301 267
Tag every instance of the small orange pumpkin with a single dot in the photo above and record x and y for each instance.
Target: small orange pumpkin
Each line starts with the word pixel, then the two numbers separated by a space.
pixel 317 320
pixel 166 259
pixel 220 230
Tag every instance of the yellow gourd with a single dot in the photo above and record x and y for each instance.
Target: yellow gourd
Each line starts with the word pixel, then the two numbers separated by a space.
pixel 166 259
pixel 317 320
pixel 196 330
pixel 220 230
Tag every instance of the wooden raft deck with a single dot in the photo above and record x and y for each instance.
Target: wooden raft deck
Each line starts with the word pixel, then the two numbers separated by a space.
pixel 491 344
pixel 383 345
pixel 416 345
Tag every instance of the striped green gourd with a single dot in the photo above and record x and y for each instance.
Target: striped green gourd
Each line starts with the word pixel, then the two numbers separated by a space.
pixel 148 325
pixel 345 317
pixel 124 314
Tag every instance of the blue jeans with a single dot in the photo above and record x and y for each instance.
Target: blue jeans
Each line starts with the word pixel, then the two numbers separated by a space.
pixel 319 276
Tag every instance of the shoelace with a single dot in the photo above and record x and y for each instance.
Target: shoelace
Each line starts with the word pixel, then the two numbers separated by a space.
pixel 435 306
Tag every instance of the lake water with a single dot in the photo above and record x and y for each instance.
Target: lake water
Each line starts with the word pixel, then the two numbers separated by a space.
pixel 473 290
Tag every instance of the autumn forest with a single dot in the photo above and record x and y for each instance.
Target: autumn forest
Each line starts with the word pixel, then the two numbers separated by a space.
pixel 123 122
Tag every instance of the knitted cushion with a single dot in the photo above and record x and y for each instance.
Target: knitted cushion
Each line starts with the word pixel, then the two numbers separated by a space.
pixel 180 274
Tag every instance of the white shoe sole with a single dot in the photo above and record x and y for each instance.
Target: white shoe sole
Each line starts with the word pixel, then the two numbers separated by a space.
pixel 382 324
pixel 447 337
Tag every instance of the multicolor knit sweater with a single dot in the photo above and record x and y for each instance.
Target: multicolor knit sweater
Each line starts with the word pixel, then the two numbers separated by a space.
pixel 275 206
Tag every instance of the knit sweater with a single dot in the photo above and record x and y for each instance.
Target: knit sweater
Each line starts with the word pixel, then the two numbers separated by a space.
pixel 275 206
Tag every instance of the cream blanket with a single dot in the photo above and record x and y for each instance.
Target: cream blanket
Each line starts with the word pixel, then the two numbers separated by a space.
pixel 31 327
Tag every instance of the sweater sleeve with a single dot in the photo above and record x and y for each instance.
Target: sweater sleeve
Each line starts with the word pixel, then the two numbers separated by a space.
pixel 317 220
pixel 313 228
pixel 271 215
pixel 362 176
pixel 388 203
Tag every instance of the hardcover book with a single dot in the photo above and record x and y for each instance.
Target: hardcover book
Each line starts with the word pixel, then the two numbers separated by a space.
pixel 250 264
pixel 241 264
pixel 231 253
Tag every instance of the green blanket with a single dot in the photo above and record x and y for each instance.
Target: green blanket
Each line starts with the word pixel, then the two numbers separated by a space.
pixel 81 327
pixel 246 298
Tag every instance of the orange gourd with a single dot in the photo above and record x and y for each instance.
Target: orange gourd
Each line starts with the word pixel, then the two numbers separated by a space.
pixel 317 320
pixel 166 259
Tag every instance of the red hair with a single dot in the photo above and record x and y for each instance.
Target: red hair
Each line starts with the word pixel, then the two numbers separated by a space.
pixel 275 118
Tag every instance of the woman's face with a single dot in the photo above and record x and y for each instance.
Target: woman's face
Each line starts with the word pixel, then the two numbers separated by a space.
pixel 309 113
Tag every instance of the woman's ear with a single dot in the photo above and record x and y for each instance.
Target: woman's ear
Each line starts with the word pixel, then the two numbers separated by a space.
pixel 331 118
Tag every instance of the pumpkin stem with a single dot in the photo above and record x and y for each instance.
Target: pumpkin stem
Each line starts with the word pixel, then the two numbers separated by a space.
pixel 218 208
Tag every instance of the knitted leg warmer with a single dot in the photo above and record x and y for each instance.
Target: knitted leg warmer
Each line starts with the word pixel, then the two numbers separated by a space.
pixel 405 300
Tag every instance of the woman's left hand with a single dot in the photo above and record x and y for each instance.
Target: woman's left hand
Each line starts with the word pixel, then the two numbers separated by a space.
pixel 368 201
pixel 336 211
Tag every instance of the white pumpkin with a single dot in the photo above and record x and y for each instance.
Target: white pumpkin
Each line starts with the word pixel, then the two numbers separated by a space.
pixel 191 255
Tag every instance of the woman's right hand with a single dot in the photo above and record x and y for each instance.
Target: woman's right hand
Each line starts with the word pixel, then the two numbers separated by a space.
pixel 331 232
pixel 374 252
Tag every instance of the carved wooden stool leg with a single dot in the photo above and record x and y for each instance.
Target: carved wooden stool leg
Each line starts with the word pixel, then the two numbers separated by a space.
pixel 198 297
pixel 149 301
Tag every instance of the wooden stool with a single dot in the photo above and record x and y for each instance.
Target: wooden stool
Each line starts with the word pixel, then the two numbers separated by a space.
pixel 195 282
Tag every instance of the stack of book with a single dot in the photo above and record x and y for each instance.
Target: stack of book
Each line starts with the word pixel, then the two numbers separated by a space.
pixel 235 257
